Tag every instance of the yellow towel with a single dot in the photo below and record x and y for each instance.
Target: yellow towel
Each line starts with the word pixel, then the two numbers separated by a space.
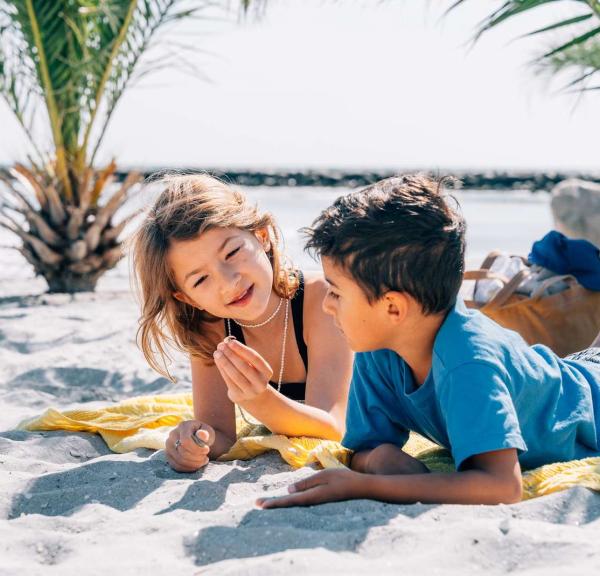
pixel 145 421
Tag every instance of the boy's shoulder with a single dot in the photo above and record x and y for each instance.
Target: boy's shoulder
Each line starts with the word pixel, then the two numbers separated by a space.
pixel 468 336
pixel 383 365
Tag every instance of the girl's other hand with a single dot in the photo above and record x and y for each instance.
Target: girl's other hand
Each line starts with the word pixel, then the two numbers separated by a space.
pixel 188 445
pixel 245 372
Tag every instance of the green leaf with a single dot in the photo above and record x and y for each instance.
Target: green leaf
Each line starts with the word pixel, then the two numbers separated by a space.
pixel 578 40
pixel 561 24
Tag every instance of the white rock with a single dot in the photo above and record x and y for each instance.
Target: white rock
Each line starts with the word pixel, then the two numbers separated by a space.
pixel 576 209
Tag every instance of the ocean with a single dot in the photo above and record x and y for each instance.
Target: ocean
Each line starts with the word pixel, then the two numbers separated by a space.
pixel 507 221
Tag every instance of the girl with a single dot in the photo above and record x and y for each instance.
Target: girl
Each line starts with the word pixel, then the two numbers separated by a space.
pixel 209 266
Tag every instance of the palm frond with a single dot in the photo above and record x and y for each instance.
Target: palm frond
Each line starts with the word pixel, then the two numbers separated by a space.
pixel 76 58
pixel 73 60
pixel 579 43
pixel 581 61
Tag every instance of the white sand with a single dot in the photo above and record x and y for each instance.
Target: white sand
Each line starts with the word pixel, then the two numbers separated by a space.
pixel 67 502
pixel 70 506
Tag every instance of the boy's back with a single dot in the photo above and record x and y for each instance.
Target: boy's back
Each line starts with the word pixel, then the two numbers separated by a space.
pixel 487 390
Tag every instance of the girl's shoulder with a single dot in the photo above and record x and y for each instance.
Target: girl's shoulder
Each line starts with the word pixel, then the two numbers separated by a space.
pixel 315 288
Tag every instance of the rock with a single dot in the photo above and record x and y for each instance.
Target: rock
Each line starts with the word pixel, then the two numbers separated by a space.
pixel 576 209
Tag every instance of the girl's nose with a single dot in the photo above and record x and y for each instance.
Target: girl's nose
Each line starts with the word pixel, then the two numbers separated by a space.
pixel 230 280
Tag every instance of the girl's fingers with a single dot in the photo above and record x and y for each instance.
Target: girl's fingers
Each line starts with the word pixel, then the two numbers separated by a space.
pixel 224 366
pixel 184 462
pixel 189 449
pixel 237 389
pixel 230 371
pixel 253 376
pixel 181 447
pixel 205 435
pixel 187 465
pixel 251 357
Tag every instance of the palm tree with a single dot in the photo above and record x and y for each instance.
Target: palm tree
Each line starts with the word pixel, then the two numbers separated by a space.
pixel 64 65
pixel 578 53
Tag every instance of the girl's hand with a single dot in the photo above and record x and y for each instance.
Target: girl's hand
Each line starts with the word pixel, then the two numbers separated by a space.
pixel 245 372
pixel 188 445
pixel 326 486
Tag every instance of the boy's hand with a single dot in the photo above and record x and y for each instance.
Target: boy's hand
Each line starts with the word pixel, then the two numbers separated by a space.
pixel 245 372
pixel 325 486
pixel 188 445
pixel 391 459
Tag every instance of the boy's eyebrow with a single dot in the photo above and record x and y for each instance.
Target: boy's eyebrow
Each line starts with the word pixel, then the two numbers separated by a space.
pixel 196 270
pixel 330 282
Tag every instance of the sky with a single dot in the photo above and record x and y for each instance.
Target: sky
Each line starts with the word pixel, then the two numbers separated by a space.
pixel 352 84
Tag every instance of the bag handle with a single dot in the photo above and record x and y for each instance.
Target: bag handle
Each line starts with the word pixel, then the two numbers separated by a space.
pixel 489 259
pixel 541 289
pixel 509 289
pixel 484 274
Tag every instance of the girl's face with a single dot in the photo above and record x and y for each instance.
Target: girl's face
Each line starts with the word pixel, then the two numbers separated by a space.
pixel 224 271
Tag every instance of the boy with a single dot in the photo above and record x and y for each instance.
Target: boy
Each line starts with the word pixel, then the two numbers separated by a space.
pixel 393 254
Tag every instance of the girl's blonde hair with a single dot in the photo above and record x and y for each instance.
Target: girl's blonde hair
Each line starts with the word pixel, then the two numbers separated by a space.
pixel 188 206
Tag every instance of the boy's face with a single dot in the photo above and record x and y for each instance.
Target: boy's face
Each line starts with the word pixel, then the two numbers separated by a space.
pixel 366 326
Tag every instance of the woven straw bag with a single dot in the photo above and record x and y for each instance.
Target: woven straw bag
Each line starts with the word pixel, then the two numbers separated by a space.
pixel 566 322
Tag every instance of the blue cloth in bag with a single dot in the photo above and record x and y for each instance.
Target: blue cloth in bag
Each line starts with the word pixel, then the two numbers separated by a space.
pixel 563 255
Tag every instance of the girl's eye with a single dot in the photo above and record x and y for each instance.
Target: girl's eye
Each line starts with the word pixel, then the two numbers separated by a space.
pixel 199 281
pixel 334 295
pixel 232 253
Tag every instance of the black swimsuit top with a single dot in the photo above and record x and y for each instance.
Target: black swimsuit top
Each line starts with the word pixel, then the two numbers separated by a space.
pixel 292 390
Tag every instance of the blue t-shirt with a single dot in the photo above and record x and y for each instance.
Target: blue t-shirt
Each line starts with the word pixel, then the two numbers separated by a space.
pixel 487 390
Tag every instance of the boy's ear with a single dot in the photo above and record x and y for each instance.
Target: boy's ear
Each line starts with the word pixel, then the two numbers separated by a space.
pixel 185 299
pixel 396 306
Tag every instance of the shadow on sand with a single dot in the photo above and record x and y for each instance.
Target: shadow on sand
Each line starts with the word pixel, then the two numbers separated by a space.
pixel 339 527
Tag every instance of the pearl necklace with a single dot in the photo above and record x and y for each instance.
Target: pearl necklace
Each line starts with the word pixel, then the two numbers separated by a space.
pixel 284 339
pixel 262 323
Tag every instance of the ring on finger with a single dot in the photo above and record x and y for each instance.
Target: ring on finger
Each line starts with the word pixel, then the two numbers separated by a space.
pixel 177 444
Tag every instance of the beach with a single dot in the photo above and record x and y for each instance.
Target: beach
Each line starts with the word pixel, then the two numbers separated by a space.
pixel 69 505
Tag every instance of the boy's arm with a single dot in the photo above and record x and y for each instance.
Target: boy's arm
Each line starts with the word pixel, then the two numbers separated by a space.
pixel 491 478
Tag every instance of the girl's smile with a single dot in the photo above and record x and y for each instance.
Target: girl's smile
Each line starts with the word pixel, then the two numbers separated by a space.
pixel 243 298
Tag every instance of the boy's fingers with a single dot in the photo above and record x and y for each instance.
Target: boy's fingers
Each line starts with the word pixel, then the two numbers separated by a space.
pixel 251 356
pixel 316 495
pixel 308 483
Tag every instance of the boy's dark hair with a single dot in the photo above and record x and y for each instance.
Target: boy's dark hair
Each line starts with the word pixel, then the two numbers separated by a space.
pixel 398 234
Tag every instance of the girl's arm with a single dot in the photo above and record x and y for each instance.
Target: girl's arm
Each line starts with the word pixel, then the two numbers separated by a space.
pixel 212 406
pixel 328 378
pixel 213 424
pixel 492 478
